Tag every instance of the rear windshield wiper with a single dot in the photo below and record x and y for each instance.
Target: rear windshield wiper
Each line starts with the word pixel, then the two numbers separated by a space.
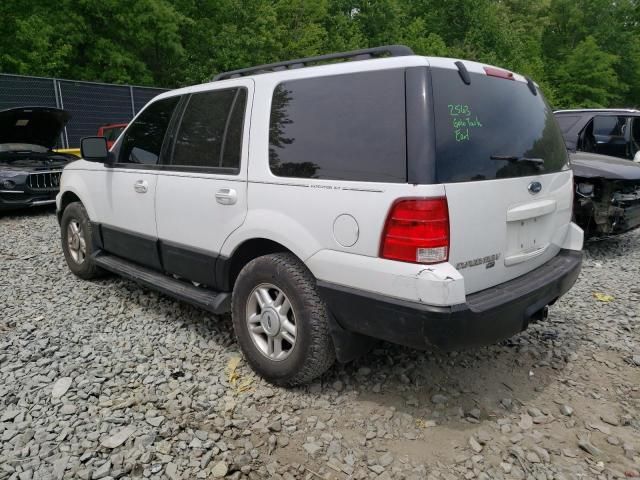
pixel 514 158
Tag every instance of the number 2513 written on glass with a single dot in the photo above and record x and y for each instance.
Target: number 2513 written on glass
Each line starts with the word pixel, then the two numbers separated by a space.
pixel 463 121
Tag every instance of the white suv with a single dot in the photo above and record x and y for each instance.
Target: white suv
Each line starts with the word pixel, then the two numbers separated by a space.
pixel 423 201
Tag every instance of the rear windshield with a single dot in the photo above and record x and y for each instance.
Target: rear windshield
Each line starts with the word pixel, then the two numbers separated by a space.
pixel 492 128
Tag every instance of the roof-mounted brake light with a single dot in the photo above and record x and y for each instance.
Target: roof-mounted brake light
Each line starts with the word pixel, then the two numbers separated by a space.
pixel 497 72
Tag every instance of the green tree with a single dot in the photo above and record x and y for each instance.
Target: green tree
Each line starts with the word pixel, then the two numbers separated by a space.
pixel 615 27
pixel 105 40
pixel 587 78
pixel 581 52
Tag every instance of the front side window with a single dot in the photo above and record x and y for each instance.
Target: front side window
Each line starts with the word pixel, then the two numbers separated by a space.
pixel 210 132
pixel 112 133
pixel 635 139
pixel 143 139
pixel 635 131
pixel 605 135
pixel 608 126
pixel 343 127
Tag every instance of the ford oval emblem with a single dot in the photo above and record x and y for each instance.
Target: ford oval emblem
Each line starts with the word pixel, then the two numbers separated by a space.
pixel 534 187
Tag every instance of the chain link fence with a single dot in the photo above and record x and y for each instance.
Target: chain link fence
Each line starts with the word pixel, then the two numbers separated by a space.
pixel 90 104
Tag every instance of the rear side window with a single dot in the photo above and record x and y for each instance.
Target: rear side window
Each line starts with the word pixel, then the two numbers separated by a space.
pixel 493 128
pixel 143 139
pixel 343 127
pixel 210 132
pixel 567 121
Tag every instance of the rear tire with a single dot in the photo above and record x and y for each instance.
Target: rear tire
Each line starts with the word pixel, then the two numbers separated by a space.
pixel 281 324
pixel 76 241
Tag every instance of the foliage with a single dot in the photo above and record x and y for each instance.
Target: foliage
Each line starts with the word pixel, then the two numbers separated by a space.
pixel 587 77
pixel 582 52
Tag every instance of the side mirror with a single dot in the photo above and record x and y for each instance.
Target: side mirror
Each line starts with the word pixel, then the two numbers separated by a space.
pixel 94 149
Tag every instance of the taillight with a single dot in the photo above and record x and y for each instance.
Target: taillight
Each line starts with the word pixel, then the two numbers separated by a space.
pixel 417 230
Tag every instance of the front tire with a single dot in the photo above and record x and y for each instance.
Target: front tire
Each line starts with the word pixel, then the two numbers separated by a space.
pixel 281 324
pixel 76 241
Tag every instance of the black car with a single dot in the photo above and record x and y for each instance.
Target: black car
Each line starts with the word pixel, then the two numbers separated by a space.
pixel 607 194
pixel 29 169
pixel 614 132
pixel 602 144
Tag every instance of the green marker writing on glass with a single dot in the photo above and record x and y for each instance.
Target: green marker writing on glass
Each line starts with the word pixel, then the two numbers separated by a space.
pixel 462 121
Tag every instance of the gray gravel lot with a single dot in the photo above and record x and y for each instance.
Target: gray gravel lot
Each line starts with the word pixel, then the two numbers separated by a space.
pixel 107 380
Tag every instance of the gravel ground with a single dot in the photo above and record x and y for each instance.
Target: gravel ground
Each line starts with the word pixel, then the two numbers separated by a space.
pixel 107 380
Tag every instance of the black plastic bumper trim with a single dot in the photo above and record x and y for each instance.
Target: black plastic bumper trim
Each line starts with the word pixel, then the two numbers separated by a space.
pixel 487 317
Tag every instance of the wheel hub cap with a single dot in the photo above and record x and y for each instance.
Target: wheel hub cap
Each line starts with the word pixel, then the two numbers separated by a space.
pixel 75 241
pixel 270 321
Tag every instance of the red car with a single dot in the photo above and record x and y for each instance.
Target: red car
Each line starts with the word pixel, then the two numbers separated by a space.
pixel 111 132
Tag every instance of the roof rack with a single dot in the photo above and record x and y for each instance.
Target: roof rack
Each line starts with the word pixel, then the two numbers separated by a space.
pixel 364 54
pixel 602 110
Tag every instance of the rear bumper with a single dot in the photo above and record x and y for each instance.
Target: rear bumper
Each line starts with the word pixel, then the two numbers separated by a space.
pixel 486 317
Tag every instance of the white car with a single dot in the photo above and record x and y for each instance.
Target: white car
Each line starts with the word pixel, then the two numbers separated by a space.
pixel 424 201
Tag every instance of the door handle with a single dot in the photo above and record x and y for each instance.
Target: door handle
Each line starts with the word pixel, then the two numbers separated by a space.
pixel 226 196
pixel 141 186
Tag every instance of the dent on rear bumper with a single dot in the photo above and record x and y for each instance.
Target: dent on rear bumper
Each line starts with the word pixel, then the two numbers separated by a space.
pixel 440 284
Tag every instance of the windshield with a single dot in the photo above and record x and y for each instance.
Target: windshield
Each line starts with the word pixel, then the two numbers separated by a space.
pixel 493 128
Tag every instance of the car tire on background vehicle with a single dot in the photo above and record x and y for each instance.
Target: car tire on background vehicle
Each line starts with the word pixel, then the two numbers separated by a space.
pixel 76 241
pixel 281 324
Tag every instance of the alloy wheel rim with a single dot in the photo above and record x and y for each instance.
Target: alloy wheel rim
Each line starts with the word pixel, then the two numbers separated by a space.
pixel 75 242
pixel 271 322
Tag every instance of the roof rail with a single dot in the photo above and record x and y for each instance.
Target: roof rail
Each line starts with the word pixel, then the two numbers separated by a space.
pixel 601 110
pixel 364 54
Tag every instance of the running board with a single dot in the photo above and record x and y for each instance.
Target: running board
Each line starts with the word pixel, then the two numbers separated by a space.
pixel 214 302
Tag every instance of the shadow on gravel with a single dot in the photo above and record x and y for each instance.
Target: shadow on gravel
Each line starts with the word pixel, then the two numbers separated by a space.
pixel 455 389
pixel 458 389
